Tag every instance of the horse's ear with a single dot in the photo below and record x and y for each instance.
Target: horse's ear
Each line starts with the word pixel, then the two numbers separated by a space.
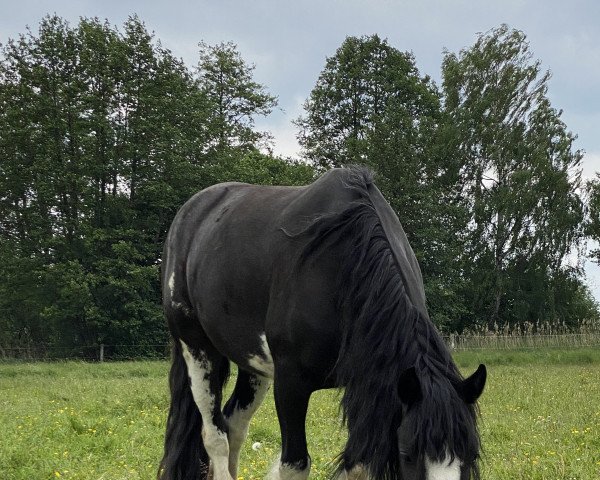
pixel 470 389
pixel 409 387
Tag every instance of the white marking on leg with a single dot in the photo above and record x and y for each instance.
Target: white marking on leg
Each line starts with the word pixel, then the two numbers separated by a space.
pixel 286 471
pixel 358 472
pixel 176 305
pixel 239 421
pixel 263 363
pixel 171 284
pixel 445 470
pixel 215 441
pixel 181 306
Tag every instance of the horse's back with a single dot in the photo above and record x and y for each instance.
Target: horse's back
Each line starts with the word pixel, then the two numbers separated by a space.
pixel 248 225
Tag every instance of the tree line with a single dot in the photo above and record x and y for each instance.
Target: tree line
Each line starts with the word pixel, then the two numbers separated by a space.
pixel 104 134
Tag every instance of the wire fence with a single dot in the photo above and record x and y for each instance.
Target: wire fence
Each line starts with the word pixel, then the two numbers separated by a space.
pixel 89 353
pixel 105 352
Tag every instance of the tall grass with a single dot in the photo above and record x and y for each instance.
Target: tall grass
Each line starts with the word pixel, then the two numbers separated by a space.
pixel 529 335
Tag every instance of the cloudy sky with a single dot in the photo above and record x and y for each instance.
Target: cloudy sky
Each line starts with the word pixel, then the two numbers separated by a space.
pixel 288 41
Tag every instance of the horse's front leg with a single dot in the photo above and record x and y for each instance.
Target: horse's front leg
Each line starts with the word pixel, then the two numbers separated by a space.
pixel 291 400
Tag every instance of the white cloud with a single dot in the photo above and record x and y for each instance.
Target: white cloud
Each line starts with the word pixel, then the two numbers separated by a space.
pixel 279 123
pixel 592 272
pixel 591 165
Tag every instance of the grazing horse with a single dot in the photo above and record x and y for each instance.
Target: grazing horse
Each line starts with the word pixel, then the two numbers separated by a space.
pixel 308 287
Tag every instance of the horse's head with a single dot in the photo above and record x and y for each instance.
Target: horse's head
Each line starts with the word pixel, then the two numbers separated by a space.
pixel 437 436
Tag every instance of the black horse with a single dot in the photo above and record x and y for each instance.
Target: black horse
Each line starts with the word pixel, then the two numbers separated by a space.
pixel 309 287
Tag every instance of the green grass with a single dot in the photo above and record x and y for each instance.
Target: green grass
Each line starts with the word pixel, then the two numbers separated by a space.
pixel 540 419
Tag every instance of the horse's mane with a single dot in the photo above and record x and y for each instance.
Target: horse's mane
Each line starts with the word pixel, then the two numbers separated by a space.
pixel 383 334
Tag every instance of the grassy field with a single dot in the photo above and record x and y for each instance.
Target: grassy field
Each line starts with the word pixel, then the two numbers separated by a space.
pixel 540 419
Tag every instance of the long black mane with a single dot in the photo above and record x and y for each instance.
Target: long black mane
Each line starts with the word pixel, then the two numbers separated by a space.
pixel 383 333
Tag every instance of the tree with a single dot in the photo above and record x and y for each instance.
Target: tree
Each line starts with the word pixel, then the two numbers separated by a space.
pixel 262 169
pixel 103 136
pixel 371 106
pixel 234 99
pixel 520 170
pixel 365 81
pixel 592 223
pixel 92 158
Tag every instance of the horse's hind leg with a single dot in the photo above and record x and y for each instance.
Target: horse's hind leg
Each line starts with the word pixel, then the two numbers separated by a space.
pixel 208 371
pixel 248 394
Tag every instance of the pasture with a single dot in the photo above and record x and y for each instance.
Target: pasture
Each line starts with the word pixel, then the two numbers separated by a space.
pixel 540 419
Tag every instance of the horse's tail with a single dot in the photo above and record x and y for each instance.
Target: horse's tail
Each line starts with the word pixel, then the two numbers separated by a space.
pixel 184 457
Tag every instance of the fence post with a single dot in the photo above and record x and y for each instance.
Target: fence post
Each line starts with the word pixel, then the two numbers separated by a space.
pixel 101 352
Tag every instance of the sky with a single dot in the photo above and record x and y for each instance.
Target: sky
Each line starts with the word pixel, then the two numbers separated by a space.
pixel 289 41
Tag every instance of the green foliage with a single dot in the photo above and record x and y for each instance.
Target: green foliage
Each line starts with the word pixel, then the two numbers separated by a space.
pixel 520 180
pixel 257 168
pixel 103 135
pixel 234 98
pixel 371 106
pixel 592 224
pixel 483 175
pixel 22 298
pixel 367 93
